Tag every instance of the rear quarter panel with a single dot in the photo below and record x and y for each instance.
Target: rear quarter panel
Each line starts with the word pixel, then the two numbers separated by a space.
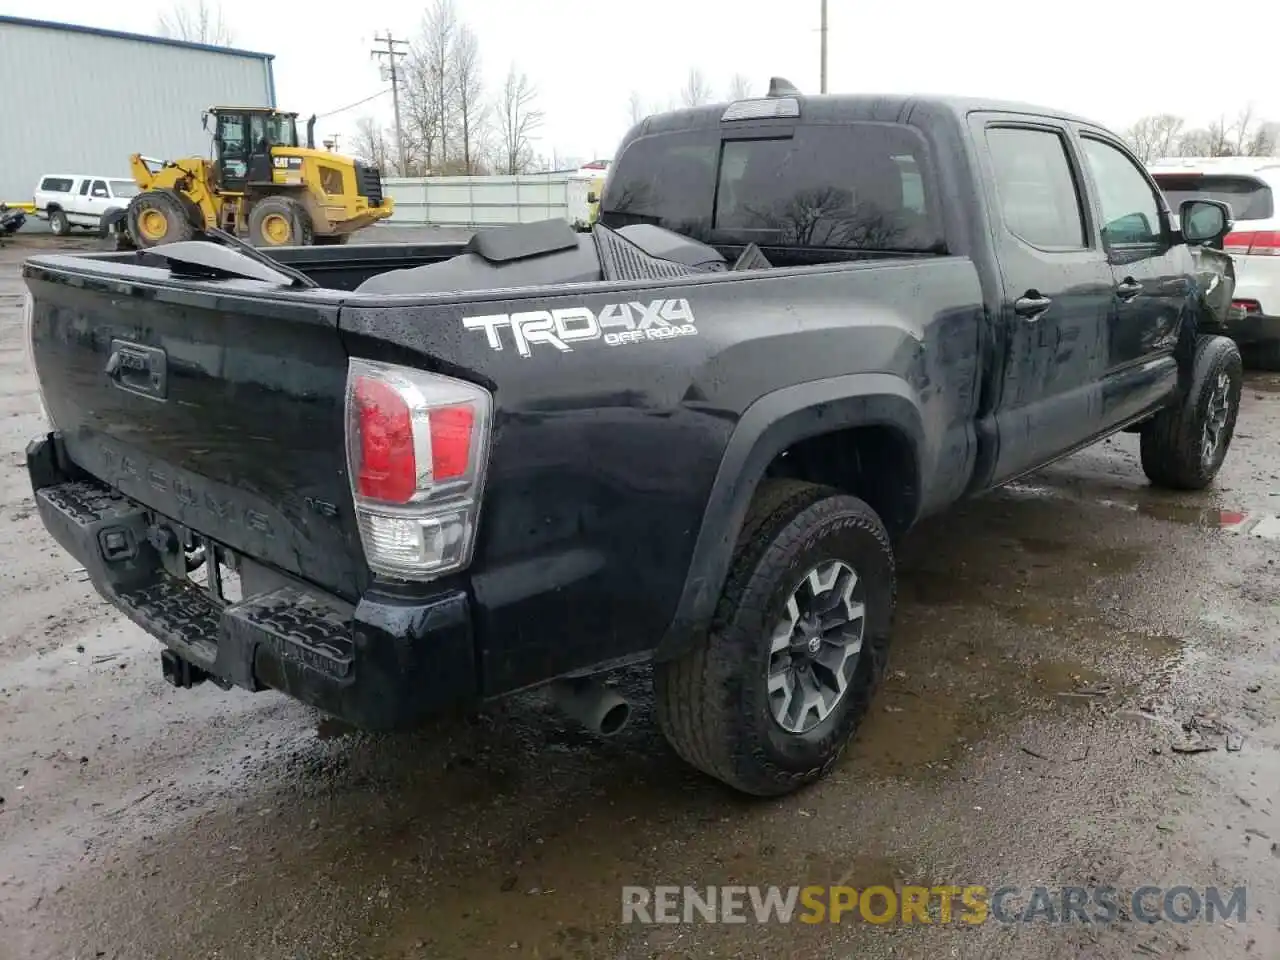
pixel 605 453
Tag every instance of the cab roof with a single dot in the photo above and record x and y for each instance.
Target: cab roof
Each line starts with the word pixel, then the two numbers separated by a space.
pixel 829 108
pixel 234 109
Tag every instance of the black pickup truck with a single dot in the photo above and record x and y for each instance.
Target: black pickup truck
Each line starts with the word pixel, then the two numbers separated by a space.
pixel 393 480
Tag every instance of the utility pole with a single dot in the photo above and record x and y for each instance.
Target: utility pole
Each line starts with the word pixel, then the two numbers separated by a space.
pixel 824 46
pixel 392 54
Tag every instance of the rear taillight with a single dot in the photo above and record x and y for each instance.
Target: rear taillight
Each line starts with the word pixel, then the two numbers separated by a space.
pixel 1253 243
pixel 1247 306
pixel 417 446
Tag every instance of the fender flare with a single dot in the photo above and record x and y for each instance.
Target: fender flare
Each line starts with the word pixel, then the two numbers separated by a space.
pixel 772 424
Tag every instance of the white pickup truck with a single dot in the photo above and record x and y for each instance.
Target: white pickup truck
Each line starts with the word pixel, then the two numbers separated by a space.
pixel 80 200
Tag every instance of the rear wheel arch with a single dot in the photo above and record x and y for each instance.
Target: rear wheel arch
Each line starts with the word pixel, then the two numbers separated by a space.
pixel 803 432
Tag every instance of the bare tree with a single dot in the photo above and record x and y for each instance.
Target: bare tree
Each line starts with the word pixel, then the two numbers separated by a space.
pixel 1155 136
pixel 1242 131
pixel 739 87
pixel 696 91
pixel 635 108
pixel 371 143
pixel 1219 138
pixel 1253 139
pixel 421 112
pixel 1165 135
pixel 1263 141
pixel 469 92
pixel 519 119
pixel 199 21
pixel 439 47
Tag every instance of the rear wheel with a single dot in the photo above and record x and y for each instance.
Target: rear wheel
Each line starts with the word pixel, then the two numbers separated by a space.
pixel 280 222
pixel 1183 447
pixel 59 223
pixel 797 647
pixel 155 217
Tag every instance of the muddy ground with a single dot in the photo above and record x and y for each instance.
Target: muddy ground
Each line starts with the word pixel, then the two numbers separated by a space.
pixel 1053 640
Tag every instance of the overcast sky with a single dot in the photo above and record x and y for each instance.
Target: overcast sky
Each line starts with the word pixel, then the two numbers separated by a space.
pixel 1112 60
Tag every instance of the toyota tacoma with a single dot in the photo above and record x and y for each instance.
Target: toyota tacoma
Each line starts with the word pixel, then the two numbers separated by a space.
pixel 390 480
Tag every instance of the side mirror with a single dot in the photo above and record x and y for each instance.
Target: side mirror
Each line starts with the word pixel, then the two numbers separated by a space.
pixel 593 197
pixel 204 121
pixel 1204 221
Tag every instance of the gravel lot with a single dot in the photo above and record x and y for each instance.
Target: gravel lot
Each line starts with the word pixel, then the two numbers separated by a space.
pixel 1052 641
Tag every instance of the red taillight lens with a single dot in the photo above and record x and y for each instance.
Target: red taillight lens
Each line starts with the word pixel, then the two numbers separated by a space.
pixel 1254 243
pixel 451 441
pixel 387 469
pixel 1248 306
pixel 417 449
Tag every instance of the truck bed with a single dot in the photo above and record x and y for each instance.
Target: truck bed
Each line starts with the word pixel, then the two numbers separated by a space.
pixel 606 443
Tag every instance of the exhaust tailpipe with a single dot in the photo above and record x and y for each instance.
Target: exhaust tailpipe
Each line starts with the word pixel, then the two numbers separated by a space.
pixel 600 709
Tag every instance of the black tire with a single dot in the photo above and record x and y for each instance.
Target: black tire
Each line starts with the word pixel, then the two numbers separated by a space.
pixel 105 229
pixel 59 223
pixel 1174 441
pixel 1262 356
pixel 713 702
pixel 157 217
pixel 280 222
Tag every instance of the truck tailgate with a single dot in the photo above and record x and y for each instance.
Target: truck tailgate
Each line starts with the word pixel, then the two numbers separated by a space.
pixel 221 412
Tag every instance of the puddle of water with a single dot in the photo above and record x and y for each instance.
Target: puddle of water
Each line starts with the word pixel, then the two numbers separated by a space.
pixel 1042 546
pixel 1189 514
pixel 1113 559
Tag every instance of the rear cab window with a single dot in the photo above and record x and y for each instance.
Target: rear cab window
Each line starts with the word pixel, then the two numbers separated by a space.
pixel 56 185
pixel 850 187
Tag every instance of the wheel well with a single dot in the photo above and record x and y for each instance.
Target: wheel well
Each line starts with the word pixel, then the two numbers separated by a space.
pixel 875 463
pixel 52 206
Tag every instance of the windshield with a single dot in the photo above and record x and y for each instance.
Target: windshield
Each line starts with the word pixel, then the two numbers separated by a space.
pixel 283 130
pixel 123 188
pixel 1248 198
pixel 860 186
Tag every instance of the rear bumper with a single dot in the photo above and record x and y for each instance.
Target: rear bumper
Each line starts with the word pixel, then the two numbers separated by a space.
pixel 385 662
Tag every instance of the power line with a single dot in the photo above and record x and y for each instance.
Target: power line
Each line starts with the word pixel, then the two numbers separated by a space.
pixel 352 106
pixel 392 54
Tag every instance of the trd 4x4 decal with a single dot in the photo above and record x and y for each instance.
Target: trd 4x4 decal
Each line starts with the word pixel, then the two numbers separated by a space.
pixel 617 323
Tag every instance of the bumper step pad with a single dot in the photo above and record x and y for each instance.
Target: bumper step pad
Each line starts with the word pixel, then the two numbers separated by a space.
pixel 107 532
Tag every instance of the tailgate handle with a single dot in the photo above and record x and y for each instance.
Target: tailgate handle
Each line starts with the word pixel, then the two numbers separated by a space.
pixel 138 368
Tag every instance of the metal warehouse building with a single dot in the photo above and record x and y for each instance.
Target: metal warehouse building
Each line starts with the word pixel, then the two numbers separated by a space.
pixel 82 100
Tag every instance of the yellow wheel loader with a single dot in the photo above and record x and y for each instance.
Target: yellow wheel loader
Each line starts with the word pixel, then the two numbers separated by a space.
pixel 260 182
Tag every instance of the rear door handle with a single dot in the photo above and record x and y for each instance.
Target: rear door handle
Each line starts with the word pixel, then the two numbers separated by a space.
pixel 1030 305
pixel 1128 288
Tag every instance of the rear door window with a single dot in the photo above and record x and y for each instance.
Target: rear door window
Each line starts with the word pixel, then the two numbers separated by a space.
pixel 1248 197
pixel 1036 187
pixel 859 186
